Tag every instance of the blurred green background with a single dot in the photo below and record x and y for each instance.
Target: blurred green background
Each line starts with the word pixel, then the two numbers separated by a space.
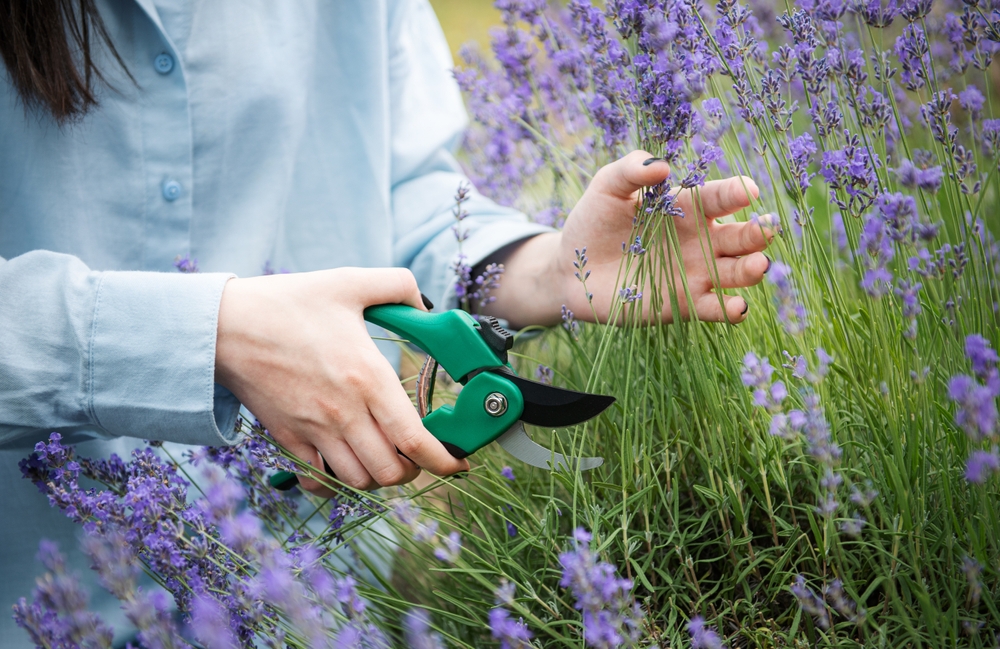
pixel 466 20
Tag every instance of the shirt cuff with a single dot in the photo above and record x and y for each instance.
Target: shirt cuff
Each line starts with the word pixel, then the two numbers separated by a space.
pixel 152 358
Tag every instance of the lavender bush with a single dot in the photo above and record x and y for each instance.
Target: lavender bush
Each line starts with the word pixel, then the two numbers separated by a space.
pixel 826 474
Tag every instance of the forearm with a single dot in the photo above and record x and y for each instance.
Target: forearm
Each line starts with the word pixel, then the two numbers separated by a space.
pixel 532 289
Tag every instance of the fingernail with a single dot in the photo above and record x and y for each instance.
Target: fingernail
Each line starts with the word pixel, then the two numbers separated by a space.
pixel 427 303
pixel 746 307
pixel 461 475
pixel 650 161
pixel 768 264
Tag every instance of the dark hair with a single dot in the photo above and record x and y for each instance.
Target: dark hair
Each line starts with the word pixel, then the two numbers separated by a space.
pixel 48 48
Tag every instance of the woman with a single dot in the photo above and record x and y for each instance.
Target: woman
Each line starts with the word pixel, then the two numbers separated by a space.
pixel 311 136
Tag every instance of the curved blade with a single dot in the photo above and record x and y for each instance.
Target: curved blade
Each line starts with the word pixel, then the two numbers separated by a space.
pixel 516 442
pixel 552 407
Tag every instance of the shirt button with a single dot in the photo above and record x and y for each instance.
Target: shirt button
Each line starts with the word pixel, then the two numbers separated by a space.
pixel 163 63
pixel 171 190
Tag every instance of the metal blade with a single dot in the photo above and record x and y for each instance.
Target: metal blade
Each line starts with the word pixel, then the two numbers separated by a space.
pixel 552 407
pixel 516 442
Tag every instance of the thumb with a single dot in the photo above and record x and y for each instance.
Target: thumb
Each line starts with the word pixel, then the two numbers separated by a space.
pixel 625 176
pixel 371 286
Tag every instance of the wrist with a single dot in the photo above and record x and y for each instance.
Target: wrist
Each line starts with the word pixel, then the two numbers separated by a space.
pixel 532 289
pixel 227 334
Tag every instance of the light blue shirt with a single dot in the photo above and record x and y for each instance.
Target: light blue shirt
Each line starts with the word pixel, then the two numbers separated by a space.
pixel 306 135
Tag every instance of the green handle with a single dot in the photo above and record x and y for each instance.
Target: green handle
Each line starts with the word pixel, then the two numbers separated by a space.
pixel 451 337
pixel 468 426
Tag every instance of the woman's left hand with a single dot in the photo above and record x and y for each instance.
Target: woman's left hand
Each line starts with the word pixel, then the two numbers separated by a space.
pixel 540 276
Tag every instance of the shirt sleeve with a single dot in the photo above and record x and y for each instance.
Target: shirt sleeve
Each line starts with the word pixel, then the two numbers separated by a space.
pixel 428 119
pixel 109 353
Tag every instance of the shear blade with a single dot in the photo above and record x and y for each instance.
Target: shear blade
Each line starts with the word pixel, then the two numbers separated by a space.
pixel 552 407
pixel 516 442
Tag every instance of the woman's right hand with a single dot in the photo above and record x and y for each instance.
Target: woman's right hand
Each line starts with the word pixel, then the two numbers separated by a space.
pixel 295 351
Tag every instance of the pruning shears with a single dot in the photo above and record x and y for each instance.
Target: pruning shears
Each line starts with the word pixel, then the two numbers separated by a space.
pixel 494 402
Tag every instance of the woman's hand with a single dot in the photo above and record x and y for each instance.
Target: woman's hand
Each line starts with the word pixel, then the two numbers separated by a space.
pixel 539 275
pixel 294 350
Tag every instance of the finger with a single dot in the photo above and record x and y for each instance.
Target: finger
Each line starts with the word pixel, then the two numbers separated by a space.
pixel 737 239
pixel 314 487
pixel 739 272
pixel 379 456
pixel 370 286
pixel 718 198
pixel 392 410
pixel 625 176
pixel 346 465
pixel 708 309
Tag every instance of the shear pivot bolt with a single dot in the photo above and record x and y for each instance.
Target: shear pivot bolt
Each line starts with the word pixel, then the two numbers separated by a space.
pixel 495 404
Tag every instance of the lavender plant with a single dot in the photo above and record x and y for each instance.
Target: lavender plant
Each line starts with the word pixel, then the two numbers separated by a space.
pixel 825 474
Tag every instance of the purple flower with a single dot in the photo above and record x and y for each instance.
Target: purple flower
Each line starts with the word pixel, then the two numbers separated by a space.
pixel 851 169
pixel 424 531
pixel 629 294
pixel 828 505
pixel 757 372
pixel 907 294
pixel 269 269
pixel 543 374
pixel 834 592
pixel 610 614
pixel 118 570
pixel 504 594
pixel 980 465
pixel 926 178
pixel 800 150
pixel 877 13
pixel 899 212
pixel 511 529
pixel 984 359
pixel 702 636
pixel 972 100
pixel 914 57
pixel 508 473
pixel 810 602
pixel 800 367
pixel 57 615
pixel 569 322
pixel 406 512
pixel 210 622
pixel 451 548
pixel 863 497
pixel 876 245
pixel 512 634
pixel 186 264
pixel 791 312
pixel 417 630
pixel 991 136
pixel 977 411
pixel 853 526
pixel 973 569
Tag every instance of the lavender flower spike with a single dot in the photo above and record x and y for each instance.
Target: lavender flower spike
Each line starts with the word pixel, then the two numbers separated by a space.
pixel 810 602
pixel 791 313
pixel 610 614
pixel 58 615
pixel 702 636
pixel 981 464
pixel 417 631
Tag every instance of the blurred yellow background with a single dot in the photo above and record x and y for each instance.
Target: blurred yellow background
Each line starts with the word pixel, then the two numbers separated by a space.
pixel 466 20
